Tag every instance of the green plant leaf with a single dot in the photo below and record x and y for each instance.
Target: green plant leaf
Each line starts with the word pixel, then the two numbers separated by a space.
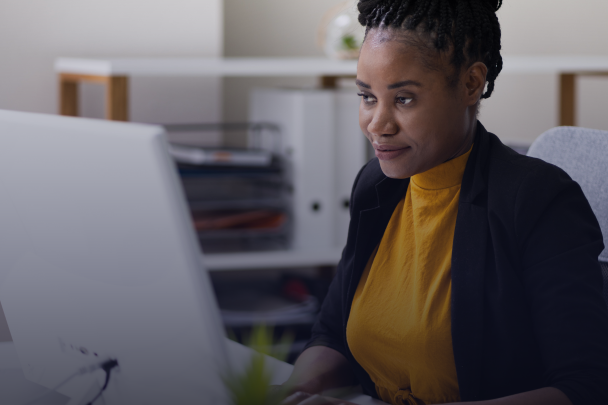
pixel 349 43
pixel 252 387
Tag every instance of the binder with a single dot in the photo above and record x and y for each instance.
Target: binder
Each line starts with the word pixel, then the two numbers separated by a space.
pixel 324 148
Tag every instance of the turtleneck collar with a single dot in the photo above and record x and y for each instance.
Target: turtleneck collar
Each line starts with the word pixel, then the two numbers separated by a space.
pixel 446 175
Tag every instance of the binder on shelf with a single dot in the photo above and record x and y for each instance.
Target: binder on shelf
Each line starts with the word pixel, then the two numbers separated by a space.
pixel 324 148
pixel 195 155
pixel 237 197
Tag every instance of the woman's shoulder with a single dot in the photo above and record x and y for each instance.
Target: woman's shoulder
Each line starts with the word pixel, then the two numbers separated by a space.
pixel 508 168
pixel 523 182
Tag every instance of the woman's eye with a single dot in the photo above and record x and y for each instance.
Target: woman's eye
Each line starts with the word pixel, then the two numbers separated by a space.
pixel 404 100
pixel 366 98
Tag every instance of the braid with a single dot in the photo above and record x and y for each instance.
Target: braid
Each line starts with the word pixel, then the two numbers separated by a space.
pixel 402 13
pixel 366 9
pixel 445 24
pixel 477 14
pixel 390 14
pixel 460 32
pixel 379 15
pixel 419 15
pixel 470 26
pixel 494 62
pixel 433 7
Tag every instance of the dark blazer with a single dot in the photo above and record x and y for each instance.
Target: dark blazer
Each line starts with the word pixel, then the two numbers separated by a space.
pixel 527 306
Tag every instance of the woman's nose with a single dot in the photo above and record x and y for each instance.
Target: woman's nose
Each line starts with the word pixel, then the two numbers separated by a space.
pixel 383 123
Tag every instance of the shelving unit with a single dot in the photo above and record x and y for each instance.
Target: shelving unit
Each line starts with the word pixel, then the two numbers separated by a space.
pixel 273 260
pixel 114 73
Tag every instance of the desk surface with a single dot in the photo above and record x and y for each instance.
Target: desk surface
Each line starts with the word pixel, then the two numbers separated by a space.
pixel 15 389
pixel 295 66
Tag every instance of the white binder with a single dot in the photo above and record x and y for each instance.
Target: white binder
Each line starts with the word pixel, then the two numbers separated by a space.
pixel 325 148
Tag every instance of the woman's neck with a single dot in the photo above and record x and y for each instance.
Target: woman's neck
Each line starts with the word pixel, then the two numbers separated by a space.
pixel 467 139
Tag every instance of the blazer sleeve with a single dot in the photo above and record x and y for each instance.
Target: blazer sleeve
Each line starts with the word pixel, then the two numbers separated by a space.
pixel 329 327
pixel 560 240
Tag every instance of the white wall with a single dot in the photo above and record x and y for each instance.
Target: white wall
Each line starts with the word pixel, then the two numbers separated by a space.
pixel 268 28
pixel 273 27
pixel 34 32
pixel 522 107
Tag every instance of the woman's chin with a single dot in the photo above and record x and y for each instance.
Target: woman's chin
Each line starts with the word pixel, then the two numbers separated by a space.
pixel 394 171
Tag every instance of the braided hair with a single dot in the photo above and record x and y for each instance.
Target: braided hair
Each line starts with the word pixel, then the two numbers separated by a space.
pixel 469 27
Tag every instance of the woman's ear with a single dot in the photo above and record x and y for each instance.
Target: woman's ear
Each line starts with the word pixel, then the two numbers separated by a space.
pixel 475 82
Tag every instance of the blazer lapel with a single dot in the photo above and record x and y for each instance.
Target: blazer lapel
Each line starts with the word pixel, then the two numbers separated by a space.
pixel 468 267
pixel 371 227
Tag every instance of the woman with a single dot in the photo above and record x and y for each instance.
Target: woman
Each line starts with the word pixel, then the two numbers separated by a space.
pixel 470 272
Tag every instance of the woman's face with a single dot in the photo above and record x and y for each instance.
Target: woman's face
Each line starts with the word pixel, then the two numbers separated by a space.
pixel 413 118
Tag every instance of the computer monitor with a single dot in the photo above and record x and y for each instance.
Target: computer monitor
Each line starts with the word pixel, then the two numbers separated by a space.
pixel 99 260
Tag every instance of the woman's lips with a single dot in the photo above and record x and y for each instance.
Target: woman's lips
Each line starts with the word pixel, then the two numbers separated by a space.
pixel 390 152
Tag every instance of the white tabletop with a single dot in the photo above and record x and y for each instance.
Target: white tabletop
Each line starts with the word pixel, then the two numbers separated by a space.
pixel 207 66
pixel 15 389
pixel 295 66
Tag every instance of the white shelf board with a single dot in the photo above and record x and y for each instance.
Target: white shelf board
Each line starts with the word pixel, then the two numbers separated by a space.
pixel 270 67
pixel 207 66
pixel 554 64
pixel 271 260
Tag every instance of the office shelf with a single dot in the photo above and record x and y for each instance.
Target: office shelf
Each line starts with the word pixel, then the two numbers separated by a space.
pixel 280 259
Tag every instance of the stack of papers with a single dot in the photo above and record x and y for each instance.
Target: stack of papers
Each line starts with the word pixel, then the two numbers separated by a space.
pixel 219 157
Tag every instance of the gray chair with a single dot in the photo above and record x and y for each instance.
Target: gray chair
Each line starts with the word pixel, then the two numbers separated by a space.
pixel 583 154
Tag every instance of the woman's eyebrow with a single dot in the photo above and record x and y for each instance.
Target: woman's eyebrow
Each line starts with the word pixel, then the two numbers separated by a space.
pixel 403 84
pixel 360 83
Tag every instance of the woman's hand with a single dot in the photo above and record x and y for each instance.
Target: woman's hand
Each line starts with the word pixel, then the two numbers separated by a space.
pixel 304 398
pixel 541 396
pixel 320 368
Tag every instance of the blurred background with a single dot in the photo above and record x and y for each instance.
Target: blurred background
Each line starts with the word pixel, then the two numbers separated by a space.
pixel 34 33
pixel 270 211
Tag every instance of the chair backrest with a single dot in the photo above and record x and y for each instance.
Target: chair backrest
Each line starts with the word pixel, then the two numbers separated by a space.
pixel 583 154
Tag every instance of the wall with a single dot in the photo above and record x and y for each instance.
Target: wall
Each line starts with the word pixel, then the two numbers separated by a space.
pixel 34 32
pixel 267 28
pixel 522 107
pixel 526 105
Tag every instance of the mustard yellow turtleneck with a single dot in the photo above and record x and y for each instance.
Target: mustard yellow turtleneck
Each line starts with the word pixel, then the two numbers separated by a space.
pixel 399 328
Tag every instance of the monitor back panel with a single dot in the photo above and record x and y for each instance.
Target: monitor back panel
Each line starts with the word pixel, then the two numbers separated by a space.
pixel 98 260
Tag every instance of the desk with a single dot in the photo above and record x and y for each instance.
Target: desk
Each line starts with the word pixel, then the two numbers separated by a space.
pixel 115 74
pixel 15 389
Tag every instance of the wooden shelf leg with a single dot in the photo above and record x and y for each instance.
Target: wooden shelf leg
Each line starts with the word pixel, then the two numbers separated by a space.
pixel 117 99
pixel 68 96
pixel 329 82
pixel 567 99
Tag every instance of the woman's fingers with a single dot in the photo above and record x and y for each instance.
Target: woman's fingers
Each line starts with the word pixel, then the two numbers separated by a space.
pixel 296 398
pixel 303 398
